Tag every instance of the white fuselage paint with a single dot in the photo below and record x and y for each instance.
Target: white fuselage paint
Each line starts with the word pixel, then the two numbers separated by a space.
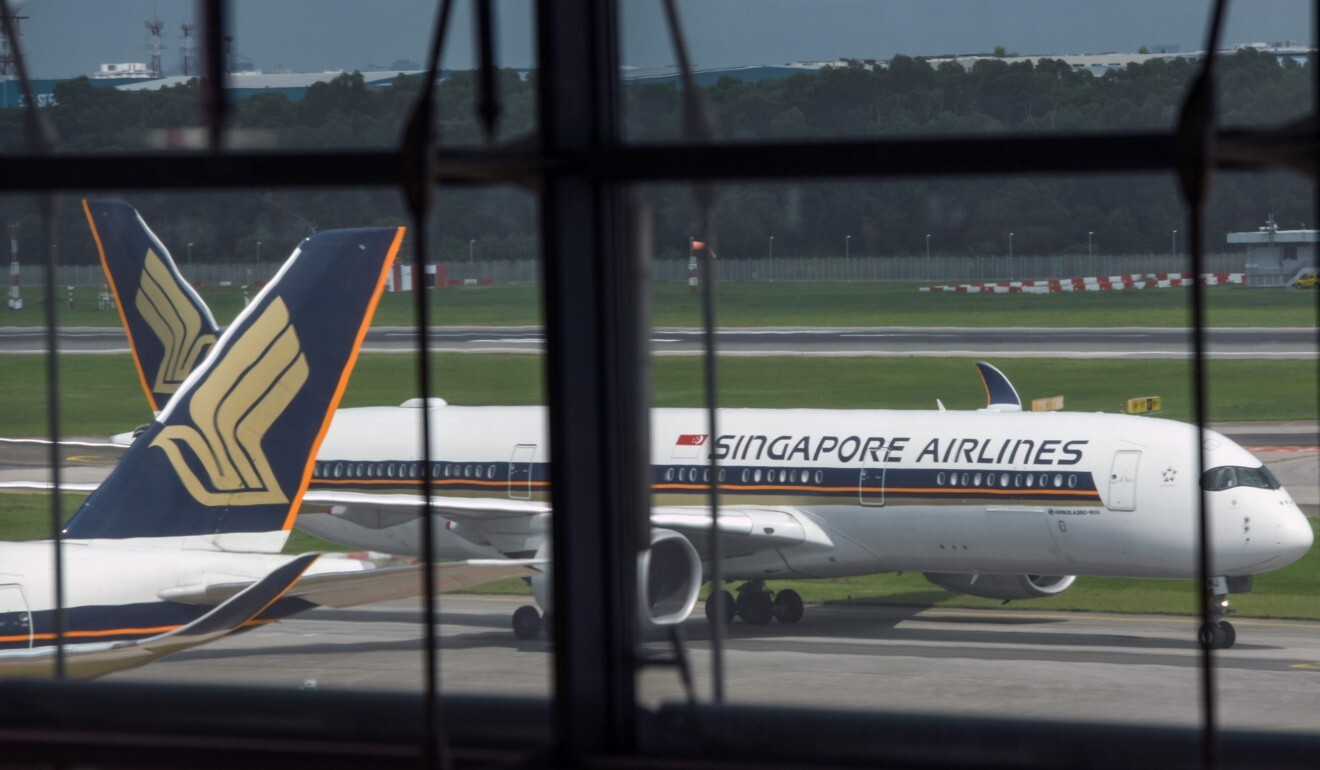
pixel 876 488
pixel 110 574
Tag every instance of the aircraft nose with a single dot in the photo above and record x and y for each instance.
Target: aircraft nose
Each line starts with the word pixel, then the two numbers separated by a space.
pixel 1294 534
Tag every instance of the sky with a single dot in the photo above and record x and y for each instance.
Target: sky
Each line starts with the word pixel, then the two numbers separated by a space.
pixel 66 38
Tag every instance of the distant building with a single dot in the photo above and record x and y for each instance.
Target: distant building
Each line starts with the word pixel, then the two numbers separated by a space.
pixel 1276 257
pixel 135 70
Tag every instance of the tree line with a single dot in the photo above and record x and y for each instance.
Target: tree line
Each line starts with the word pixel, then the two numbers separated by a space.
pixel 1046 214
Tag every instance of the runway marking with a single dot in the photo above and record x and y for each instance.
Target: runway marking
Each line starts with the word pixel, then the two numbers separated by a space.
pixel 1180 619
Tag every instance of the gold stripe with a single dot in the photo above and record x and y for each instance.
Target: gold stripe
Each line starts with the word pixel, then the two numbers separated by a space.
pixel 232 410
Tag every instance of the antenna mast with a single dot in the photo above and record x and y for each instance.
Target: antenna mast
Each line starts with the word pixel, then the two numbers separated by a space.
pixel 156 46
pixel 187 47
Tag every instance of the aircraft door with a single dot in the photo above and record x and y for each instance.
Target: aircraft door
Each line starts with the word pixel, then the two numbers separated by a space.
pixel 15 619
pixel 871 484
pixel 520 471
pixel 1123 481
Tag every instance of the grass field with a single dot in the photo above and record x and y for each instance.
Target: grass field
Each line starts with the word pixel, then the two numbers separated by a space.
pixel 799 304
pixel 102 395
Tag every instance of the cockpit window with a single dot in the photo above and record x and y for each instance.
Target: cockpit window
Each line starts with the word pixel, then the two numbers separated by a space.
pixel 1229 476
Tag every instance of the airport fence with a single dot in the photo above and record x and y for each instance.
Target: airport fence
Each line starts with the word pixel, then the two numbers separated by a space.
pixel 917 269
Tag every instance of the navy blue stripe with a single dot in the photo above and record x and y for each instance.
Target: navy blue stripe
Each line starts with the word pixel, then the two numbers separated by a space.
pixel 98 623
pixel 1055 484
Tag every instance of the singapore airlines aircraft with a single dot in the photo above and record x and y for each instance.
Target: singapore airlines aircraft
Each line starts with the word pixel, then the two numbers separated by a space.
pixel 995 502
pixel 181 544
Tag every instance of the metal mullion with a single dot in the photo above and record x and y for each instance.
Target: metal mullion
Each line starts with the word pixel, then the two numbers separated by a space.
pixel 595 413
pixel 1079 154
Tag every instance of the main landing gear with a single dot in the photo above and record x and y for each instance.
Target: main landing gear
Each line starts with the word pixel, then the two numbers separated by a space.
pixel 1217 633
pixel 528 622
pixel 757 605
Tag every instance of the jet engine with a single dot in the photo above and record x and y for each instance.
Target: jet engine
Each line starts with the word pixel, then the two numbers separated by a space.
pixel 668 579
pixel 1004 587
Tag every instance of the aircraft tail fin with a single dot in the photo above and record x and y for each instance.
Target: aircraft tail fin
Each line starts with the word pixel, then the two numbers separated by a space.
pixel 1000 395
pixel 170 329
pixel 227 461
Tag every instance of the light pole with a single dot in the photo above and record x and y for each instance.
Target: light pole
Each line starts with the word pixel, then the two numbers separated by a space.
pixel 927 256
pixel 1010 245
pixel 847 239
pixel 1088 243
pixel 1173 248
pixel 189 255
pixel 472 249
pixel 258 260
pixel 772 247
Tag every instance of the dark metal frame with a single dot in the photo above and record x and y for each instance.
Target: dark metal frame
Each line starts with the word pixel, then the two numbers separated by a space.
pixel 596 389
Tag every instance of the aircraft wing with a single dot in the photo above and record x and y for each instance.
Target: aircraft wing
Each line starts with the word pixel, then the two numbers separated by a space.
pixel 746 528
pixel 459 508
pixel 349 589
pixel 95 659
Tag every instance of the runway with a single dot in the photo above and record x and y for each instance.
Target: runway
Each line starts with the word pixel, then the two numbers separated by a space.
pixel 1002 663
pixel 1012 342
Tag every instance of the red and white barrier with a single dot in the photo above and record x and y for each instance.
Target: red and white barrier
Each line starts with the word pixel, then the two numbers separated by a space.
pixel 1090 283
pixel 403 277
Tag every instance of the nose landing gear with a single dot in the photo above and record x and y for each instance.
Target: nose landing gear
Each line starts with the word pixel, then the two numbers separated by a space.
pixel 1217 633
pixel 757 605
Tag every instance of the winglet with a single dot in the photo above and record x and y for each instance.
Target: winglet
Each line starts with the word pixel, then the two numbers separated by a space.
pixel 84 661
pixel 1000 395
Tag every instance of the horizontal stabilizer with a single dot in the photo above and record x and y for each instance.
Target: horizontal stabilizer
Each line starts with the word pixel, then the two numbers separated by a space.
pixel 90 660
pixel 46 486
pixel 1000 395
pixel 353 587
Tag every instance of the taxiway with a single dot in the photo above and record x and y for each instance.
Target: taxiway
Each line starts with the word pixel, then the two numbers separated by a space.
pixel 997 663
pixel 1004 342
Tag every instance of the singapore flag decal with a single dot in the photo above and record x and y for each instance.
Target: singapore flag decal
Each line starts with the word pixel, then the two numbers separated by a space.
pixel 688 446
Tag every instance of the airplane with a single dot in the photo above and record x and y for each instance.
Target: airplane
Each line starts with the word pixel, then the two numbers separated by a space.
pixel 181 543
pixel 996 502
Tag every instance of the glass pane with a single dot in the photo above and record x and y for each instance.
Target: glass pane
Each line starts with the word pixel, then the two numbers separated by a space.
pixel 851 402
pixel 810 70
pixel 124 78
pixel 230 248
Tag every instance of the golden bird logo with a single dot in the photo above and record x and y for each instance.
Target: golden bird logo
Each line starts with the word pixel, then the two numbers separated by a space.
pixel 176 322
pixel 251 386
